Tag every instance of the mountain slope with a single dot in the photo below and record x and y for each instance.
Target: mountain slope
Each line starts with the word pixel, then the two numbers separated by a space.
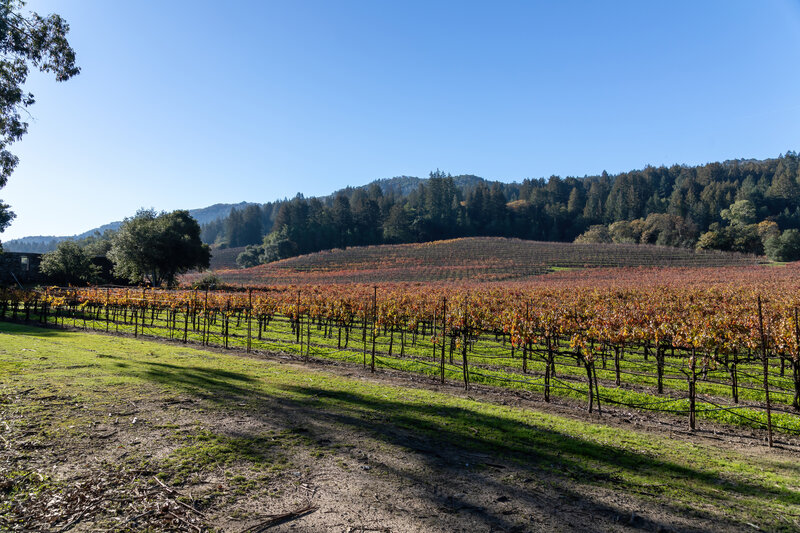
pixel 46 243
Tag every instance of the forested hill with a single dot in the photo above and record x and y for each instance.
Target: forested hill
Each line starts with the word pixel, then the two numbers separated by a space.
pixel 45 243
pixel 249 226
pixel 749 206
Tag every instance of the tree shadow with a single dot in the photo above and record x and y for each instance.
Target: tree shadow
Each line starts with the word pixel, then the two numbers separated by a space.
pixel 208 383
pixel 467 444
pixel 16 328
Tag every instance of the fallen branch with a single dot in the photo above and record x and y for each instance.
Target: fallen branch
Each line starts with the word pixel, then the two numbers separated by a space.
pixel 179 519
pixel 173 491
pixel 275 520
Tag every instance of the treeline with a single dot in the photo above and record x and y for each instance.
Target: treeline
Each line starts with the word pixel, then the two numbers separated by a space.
pixel 34 247
pixel 149 248
pixel 742 205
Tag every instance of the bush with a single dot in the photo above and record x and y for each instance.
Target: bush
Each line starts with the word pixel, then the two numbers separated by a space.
pixel 594 235
pixel 784 248
pixel 209 281
pixel 69 264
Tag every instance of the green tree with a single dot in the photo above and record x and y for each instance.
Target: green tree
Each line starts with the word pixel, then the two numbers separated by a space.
pixel 277 245
pixel 716 238
pixel 243 227
pixel 397 227
pixel 668 230
pixel 625 231
pixel 157 247
pixel 767 229
pixel 593 209
pixel 250 257
pixel 25 40
pixel 366 218
pixel 69 264
pixel 577 202
pixel 784 248
pixel 740 213
pixel 594 235
pixel 342 219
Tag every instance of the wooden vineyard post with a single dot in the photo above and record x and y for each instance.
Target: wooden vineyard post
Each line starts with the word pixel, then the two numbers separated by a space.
pixel 107 303
pixel 249 316
pixel 796 364
pixel 308 335
pixel 186 324
pixel 374 324
pixel 692 390
pixel 735 377
pixel 194 311
pixel 206 325
pixel 464 344
pixel 525 347
pixel 297 323
pixel 433 334
pixel 547 369
pixel 225 322
pixel 364 338
pixel 766 370
pixel 590 379
pixel 444 331
pixel 596 390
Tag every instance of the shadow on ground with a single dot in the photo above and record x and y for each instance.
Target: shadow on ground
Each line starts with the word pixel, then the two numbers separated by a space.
pixel 565 479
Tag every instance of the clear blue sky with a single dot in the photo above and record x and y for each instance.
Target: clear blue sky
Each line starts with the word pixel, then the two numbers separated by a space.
pixel 186 104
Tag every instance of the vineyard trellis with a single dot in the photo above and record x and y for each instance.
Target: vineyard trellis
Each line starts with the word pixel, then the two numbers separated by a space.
pixel 718 352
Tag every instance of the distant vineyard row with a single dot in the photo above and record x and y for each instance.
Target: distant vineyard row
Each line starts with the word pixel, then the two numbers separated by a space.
pixel 469 259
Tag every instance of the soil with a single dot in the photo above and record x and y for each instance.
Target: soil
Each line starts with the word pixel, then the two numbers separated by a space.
pixel 334 477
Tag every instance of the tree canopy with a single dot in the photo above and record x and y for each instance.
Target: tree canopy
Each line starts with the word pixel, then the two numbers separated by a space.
pixel 69 264
pixel 156 247
pixel 26 40
pixel 725 206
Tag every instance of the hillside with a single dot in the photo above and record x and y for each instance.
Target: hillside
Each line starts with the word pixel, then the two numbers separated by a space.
pixel 473 259
pixel 751 207
pixel 224 258
pixel 46 243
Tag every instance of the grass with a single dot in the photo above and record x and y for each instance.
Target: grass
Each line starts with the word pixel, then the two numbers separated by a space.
pixel 492 364
pixel 727 485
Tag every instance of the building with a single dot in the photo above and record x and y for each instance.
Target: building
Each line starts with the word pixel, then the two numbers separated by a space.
pixel 20 268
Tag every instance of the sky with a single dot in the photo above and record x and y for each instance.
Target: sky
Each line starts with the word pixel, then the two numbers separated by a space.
pixel 184 104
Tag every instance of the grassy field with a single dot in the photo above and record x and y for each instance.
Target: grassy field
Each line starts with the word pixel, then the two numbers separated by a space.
pixel 491 362
pixel 126 434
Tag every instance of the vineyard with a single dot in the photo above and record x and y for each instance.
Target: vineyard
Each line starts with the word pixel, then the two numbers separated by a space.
pixel 696 343
pixel 474 259
pixel 225 258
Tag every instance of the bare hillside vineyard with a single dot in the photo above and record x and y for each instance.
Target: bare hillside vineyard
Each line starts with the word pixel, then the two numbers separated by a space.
pixel 468 259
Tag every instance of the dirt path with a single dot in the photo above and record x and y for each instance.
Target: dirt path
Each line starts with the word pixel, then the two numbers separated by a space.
pixel 350 477
pixel 341 470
